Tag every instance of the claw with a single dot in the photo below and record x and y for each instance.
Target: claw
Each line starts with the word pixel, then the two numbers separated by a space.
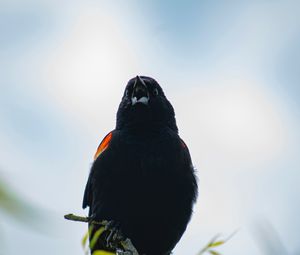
pixel 115 234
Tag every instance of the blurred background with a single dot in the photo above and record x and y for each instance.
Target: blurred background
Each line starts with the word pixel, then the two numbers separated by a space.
pixel 232 72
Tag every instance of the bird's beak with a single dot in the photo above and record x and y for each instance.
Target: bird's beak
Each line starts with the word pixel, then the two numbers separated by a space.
pixel 140 92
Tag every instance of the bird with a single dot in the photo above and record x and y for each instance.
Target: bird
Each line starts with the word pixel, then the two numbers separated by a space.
pixel 142 178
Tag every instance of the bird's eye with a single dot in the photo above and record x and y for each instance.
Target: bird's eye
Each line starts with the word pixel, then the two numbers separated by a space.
pixel 155 92
pixel 127 92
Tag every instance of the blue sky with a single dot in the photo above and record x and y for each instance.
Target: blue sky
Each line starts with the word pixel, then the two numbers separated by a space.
pixel 231 71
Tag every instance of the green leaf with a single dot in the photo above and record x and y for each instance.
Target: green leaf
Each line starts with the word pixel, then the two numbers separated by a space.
pixel 102 252
pixel 212 252
pixel 215 244
pixel 96 237
pixel 84 239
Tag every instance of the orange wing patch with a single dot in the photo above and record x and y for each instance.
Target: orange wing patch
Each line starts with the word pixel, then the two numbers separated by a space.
pixel 103 145
pixel 183 143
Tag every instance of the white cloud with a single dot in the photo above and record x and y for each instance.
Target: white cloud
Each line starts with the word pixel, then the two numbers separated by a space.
pixel 87 73
pixel 235 118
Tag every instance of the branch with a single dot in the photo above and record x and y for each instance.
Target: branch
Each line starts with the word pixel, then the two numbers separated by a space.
pixel 125 243
pixel 77 218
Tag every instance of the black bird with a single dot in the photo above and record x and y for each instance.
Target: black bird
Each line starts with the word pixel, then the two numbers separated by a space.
pixel 142 177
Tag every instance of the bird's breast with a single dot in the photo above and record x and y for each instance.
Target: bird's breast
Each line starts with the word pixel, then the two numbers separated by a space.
pixel 150 154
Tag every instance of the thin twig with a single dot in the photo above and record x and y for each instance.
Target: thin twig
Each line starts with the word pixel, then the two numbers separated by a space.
pixel 74 217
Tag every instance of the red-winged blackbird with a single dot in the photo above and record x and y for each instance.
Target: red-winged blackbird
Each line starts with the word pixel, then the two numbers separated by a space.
pixel 142 177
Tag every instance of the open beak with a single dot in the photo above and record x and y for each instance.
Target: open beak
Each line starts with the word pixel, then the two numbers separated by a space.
pixel 140 92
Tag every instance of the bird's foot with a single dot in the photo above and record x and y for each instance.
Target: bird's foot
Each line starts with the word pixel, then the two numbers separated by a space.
pixel 91 218
pixel 115 235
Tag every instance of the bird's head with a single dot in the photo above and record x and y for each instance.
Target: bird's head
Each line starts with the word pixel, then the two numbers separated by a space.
pixel 144 104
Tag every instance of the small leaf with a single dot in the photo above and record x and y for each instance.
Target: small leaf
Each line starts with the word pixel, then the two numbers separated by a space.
pixel 86 235
pixel 212 252
pixel 84 239
pixel 102 252
pixel 96 237
pixel 215 244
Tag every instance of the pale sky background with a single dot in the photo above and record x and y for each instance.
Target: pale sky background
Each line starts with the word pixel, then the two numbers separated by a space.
pixel 231 70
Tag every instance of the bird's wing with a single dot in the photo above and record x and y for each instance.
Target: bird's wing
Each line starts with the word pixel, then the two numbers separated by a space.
pixel 87 198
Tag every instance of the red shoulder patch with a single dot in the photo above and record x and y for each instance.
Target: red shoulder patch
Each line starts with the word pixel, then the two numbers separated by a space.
pixel 103 145
pixel 183 143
